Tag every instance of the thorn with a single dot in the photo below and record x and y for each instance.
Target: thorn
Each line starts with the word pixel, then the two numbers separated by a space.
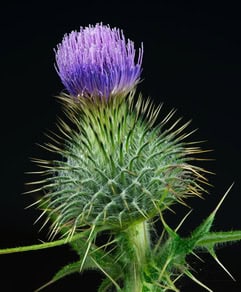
pixel 85 255
pixel 119 218
pixel 190 275
pixel 44 224
pixel 122 195
pixel 198 257
pixel 71 233
pixel 164 268
pixel 32 191
pixel 40 216
pixel 91 232
pixel 221 201
pixel 168 117
pixel 107 275
pixel 33 204
pixel 182 221
pixel 139 210
pixel 211 251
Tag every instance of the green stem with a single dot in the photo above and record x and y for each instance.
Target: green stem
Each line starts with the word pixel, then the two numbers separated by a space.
pixel 41 245
pixel 139 241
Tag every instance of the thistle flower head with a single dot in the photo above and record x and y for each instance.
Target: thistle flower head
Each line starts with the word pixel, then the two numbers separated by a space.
pixel 117 168
pixel 98 60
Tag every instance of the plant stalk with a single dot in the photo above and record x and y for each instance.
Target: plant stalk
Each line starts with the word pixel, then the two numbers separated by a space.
pixel 139 242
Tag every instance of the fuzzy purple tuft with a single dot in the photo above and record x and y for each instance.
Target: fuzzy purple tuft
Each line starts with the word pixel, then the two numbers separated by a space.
pixel 98 60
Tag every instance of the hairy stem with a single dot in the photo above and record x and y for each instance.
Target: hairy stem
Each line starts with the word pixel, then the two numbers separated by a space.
pixel 139 241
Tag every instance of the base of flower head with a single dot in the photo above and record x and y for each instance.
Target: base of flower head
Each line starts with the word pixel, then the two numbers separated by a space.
pixel 118 168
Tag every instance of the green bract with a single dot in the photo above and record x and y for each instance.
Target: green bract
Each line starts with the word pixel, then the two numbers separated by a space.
pixel 117 168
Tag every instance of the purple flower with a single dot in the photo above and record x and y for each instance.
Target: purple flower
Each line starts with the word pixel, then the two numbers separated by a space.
pixel 98 60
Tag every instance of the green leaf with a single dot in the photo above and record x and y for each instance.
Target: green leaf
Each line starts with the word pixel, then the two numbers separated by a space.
pixel 203 230
pixel 109 269
pixel 65 271
pixel 213 238
pixel 105 285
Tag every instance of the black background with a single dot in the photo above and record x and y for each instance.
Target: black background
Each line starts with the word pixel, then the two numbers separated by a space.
pixel 191 62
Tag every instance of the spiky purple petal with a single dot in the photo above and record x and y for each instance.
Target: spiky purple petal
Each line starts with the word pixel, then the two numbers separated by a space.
pixel 98 60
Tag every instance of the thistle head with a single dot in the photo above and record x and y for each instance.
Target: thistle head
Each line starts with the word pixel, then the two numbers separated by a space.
pixel 116 168
pixel 98 60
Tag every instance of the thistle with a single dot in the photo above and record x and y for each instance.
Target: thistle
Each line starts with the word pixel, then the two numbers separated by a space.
pixel 122 167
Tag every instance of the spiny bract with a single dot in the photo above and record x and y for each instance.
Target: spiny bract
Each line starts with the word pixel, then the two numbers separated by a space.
pixel 117 167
